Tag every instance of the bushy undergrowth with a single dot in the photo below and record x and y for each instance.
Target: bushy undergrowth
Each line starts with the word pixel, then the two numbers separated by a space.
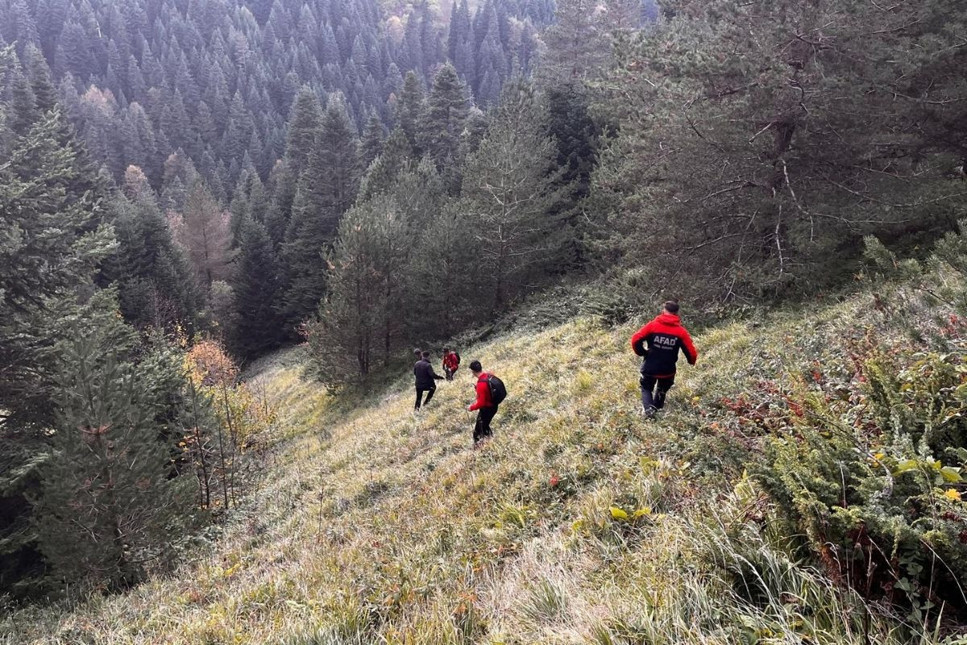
pixel 867 453
pixel 797 489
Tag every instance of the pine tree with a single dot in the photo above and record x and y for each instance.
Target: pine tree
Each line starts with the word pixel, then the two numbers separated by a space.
pixel 23 103
pixel 258 289
pixel 360 315
pixel 282 187
pixel 783 155
pixel 54 241
pixel 576 135
pixel 326 190
pixel 41 84
pixel 203 229
pixel 577 44
pixel 511 186
pixel 110 505
pixel 447 109
pixel 51 245
pixel 442 273
pixel 305 120
pixel 411 112
pixel 385 169
pixel 155 282
pixel 372 142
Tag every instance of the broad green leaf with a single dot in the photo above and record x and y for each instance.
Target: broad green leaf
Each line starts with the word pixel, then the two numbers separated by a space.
pixel 951 475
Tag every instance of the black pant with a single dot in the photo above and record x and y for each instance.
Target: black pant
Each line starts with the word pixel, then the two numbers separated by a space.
pixel 449 373
pixel 429 395
pixel 482 428
pixel 652 398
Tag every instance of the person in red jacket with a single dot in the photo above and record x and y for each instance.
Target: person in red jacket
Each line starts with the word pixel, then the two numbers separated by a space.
pixel 664 337
pixel 451 363
pixel 484 404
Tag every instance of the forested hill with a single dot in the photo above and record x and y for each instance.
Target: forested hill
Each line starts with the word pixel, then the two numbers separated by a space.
pixel 217 79
pixel 187 186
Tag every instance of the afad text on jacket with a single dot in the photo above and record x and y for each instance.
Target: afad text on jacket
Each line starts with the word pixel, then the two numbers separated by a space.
pixel 664 336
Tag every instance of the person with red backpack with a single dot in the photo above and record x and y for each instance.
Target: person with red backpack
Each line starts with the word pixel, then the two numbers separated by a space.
pixel 490 393
pixel 664 336
pixel 451 363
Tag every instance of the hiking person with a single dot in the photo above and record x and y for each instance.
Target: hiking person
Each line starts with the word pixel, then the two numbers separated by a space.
pixel 664 336
pixel 486 403
pixel 425 377
pixel 451 363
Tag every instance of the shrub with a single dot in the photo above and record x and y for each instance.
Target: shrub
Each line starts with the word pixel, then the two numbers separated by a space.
pixel 872 477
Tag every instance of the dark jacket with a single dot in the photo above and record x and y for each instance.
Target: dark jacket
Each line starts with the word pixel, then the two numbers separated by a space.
pixel 425 375
pixel 664 336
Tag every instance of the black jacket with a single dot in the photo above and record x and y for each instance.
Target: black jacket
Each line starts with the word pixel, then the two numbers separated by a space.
pixel 425 375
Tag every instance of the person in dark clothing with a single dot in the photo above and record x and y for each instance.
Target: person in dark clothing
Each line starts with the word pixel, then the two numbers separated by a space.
pixel 664 337
pixel 425 379
pixel 486 408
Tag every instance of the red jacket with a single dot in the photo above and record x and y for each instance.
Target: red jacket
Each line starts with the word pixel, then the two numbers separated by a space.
pixel 664 336
pixel 483 393
pixel 450 362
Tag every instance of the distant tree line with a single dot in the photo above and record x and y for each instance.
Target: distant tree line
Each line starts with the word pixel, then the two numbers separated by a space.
pixel 214 82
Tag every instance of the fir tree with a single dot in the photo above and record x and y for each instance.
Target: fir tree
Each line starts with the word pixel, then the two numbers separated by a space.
pixel 156 286
pixel 326 190
pixel 359 318
pixel 446 114
pixel 51 245
pixel 371 144
pixel 512 185
pixel 109 502
pixel 304 123
pixel 258 288
pixel 411 111
pixel 385 169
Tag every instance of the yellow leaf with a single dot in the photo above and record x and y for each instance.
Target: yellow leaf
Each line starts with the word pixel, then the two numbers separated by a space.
pixel 952 494
pixel 641 512
pixel 618 514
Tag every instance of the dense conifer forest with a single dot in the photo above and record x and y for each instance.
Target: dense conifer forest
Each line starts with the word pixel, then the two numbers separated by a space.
pixel 187 186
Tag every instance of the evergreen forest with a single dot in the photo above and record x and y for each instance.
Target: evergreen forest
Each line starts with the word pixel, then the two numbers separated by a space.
pixel 226 224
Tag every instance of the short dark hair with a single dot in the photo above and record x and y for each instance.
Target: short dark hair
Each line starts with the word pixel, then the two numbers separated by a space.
pixel 671 306
pixel 446 349
pixel 426 354
pixel 475 366
pixel 417 352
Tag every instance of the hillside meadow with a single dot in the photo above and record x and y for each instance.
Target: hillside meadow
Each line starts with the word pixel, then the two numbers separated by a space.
pixel 580 522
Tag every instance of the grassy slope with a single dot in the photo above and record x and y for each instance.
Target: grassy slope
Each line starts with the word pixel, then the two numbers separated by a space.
pixel 378 526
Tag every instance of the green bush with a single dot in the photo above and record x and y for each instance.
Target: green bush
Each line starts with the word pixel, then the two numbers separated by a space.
pixel 871 473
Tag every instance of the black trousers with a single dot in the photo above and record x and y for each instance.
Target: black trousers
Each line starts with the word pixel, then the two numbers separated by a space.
pixel 652 396
pixel 449 373
pixel 429 395
pixel 481 429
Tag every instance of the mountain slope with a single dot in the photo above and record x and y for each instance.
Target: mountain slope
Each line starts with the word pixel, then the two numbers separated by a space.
pixel 579 522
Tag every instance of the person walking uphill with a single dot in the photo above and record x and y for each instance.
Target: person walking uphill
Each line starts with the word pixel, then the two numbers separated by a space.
pixel 664 336
pixel 425 377
pixel 490 392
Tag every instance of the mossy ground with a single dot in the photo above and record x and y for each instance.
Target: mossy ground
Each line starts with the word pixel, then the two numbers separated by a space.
pixel 580 522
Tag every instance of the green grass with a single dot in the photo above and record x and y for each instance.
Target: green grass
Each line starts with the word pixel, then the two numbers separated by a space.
pixel 580 522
